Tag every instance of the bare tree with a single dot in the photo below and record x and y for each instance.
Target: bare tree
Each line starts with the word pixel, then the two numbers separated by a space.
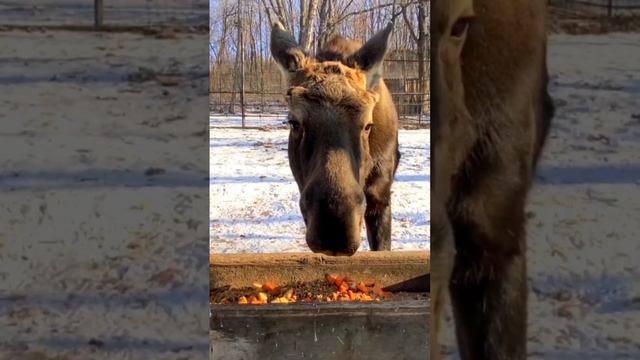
pixel 308 13
pixel 314 22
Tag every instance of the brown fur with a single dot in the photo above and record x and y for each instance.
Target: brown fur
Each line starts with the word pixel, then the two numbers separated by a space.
pixel 343 171
pixel 491 116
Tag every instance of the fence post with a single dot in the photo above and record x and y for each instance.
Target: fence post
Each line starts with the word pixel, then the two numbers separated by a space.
pixel 98 11
pixel 609 8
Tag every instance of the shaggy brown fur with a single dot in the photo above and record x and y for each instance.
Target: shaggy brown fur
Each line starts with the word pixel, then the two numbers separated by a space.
pixel 491 116
pixel 343 144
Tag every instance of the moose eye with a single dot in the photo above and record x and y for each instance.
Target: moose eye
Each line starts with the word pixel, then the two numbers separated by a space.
pixel 294 124
pixel 460 27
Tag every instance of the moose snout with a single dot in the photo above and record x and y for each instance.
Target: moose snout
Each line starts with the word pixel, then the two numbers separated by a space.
pixel 333 220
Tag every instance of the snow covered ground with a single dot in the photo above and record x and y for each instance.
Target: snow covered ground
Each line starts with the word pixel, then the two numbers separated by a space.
pixel 254 199
pixel 99 258
pixel 584 300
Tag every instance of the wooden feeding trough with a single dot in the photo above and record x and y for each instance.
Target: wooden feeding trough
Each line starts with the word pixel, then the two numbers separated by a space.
pixel 319 330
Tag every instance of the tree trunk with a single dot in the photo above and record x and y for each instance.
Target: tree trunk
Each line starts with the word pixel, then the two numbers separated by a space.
pixel 307 17
pixel 325 28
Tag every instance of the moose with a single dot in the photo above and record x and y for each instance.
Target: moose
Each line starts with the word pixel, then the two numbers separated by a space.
pixel 491 112
pixel 343 139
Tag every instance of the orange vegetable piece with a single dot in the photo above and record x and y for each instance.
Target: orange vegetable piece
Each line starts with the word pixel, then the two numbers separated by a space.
pixel 276 291
pixel 331 279
pixel 262 297
pixel 269 286
pixel 242 300
pixel 362 287
pixel 352 295
pixel 343 287
pixel 338 281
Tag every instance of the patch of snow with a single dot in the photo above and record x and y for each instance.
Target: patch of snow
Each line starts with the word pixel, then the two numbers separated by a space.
pixel 254 198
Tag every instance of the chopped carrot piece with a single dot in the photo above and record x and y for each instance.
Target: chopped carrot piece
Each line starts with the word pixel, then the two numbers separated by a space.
pixel 268 286
pixel 262 296
pixel 331 279
pixel 338 281
pixel 352 295
pixel 362 287
pixel 276 291
pixel 242 300
pixel 343 287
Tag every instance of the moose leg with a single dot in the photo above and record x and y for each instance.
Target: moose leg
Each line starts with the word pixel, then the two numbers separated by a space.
pixel 489 297
pixel 378 213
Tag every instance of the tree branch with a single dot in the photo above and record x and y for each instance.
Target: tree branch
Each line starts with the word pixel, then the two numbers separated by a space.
pixel 414 36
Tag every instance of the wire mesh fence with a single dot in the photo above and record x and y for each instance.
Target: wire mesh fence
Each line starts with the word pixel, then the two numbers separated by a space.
pixel 264 91
pixel 594 16
pixel 600 8
pixel 245 81
pixel 108 13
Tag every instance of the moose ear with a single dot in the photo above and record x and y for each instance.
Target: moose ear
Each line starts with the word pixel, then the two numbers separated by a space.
pixel 371 55
pixel 285 50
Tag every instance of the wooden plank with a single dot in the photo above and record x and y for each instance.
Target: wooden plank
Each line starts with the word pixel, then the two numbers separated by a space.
pixel 321 331
pixel 384 267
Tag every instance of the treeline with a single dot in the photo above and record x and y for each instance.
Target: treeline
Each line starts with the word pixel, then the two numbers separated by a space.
pixel 242 27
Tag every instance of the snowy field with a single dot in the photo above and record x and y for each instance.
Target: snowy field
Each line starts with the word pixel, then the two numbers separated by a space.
pixel 98 254
pixel 584 299
pixel 254 199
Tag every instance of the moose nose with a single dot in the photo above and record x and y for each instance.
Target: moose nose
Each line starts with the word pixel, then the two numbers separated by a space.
pixel 334 223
